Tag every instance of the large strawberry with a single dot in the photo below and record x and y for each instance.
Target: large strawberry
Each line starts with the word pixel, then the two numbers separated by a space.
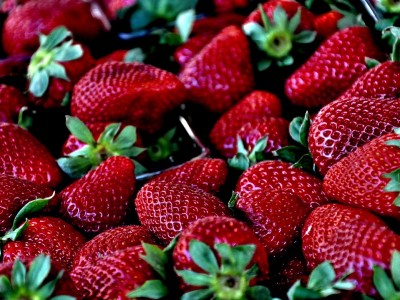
pixel 23 156
pixel 165 209
pixel 11 102
pixel 333 67
pixel 99 200
pixel 130 92
pixel 352 239
pixel 211 78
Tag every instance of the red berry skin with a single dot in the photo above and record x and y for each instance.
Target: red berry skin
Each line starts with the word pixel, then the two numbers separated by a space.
pixel 50 236
pixel 327 23
pixel 113 276
pixel 184 53
pixel 100 200
pixel 276 217
pixel 352 239
pixel 208 174
pixel 255 106
pixel 165 209
pixel 23 156
pixel 344 125
pixel 333 68
pixel 113 6
pixel 118 55
pixel 216 230
pixel 127 92
pixel 216 24
pixel 11 101
pixel 110 241
pixel 281 176
pixel 211 78
pixel 357 179
pixel 224 6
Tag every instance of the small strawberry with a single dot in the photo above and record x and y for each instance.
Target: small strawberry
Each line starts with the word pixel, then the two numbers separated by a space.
pixel 127 92
pixel 113 7
pixel 23 156
pixel 224 6
pixel 99 200
pixel 210 77
pixel 165 209
pixel 11 102
pixel 215 24
pixel 133 55
pixel 184 53
pixel 327 24
pixel 221 258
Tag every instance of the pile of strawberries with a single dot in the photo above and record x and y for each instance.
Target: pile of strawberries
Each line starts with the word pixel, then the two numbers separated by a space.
pixel 296 104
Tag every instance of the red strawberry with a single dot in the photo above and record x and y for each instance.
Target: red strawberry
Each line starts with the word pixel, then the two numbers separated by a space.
pixel 11 102
pixel 128 92
pixel 276 217
pixel 344 125
pixel 14 66
pixel 211 78
pixel 23 156
pixel 112 7
pixel 99 200
pixel 351 239
pixel 327 23
pixel 184 53
pixel 46 235
pixel 223 6
pixel 255 106
pixel 277 175
pixel 118 55
pixel 165 209
pixel 333 67
pixel 110 241
pixel 360 179
pixel 209 174
pixel 210 248
pixel 216 24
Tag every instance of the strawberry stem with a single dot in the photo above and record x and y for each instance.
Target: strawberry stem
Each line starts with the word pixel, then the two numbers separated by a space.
pixel 391 6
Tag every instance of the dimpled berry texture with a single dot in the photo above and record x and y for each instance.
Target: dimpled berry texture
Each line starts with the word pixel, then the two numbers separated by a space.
pixel 357 179
pixel 255 106
pixel 23 156
pixel 11 101
pixel 352 239
pixel 221 73
pixel 99 200
pixel 344 125
pixel 50 236
pixel 110 241
pixel 165 209
pixel 277 175
pixel 332 69
pixel 113 276
pixel 131 92
pixel 206 173
pixel 276 217
pixel 218 230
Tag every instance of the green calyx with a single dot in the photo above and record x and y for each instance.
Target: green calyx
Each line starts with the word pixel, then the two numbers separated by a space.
pixel 394 33
pixel 228 281
pixel 54 48
pixel 244 159
pixel 321 284
pixel 390 6
pixel 114 141
pixel 278 38
pixel 164 146
pixel 31 285
pixel 394 177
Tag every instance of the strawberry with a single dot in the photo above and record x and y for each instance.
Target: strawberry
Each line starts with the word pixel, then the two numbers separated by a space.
pixel 209 174
pixel 324 76
pixel 23 156
pixel 111 241
pixel 211 79
pixel 276 217
pixel 352 239
pixel 367 177
pixel 255 106
pixel 277 175
pixel 118 55
pixel 112 7
pixel 165 209
pixel 215 24
pixel 224 6
pixel 11 102
pixel 117 91
pixel 184 53
pixel 214 256
pixel 327 24
pixel 99 200
pixel 344 125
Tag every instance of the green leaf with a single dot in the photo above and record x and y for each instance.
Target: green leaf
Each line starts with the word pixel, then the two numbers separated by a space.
pixel 126 138
pixel 383 283
pixel 298 292
pixel 193 278
pixel 141 18
pixel 256 154
pixel 371 62
pixel 106 138
pixel 18 273
pixel 5 284
pixel 13 235
pixel 203 256
pixel 264 64
pixel 322 276
pixel 68 52
pixel 395 268
pixel 258 292
pixel 39 83
pixel 47 290
pixel 280 17
pixel 55 37
pixel 184 23
pixel 198 295
pixel 233 200
pixel 131 152
pixel 75 167
pixel 135 54
pixel 305 37
pixel 299 128
pixel 151 289
pixel 156 258
pixel 139 168
pixel 79 130
pixel 286 61
pixel 38 271
pixel 239 161
pixel 63 297
pixel 256 32
pixel 289 153
pixel 25 119
pixel 58 71
pixel 394 182
pixel 243 255
pixel 295 21
pixel 305 162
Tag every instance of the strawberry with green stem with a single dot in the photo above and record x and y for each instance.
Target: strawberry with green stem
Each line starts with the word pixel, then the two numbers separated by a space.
pixel 163 147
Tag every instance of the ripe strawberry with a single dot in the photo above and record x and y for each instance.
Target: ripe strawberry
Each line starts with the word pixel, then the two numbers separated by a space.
pixel 127 92
pixel 367 177
pixel 327 24
pixel 224 6
pixel 184 53
pixel 11 102
pixel 110 241
pixel 255 106
pixel 112 7
pixel 214 255
pixel 276 217
pixel 14 67
pixel 118 55
pixel 344 125
pixel 351 239
pixel 99 200
pixel 281 176
pixel 208 174
pixel 215 24
pixel 324 76
pixel 210 77
pixel 23 156
pixel 165 209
